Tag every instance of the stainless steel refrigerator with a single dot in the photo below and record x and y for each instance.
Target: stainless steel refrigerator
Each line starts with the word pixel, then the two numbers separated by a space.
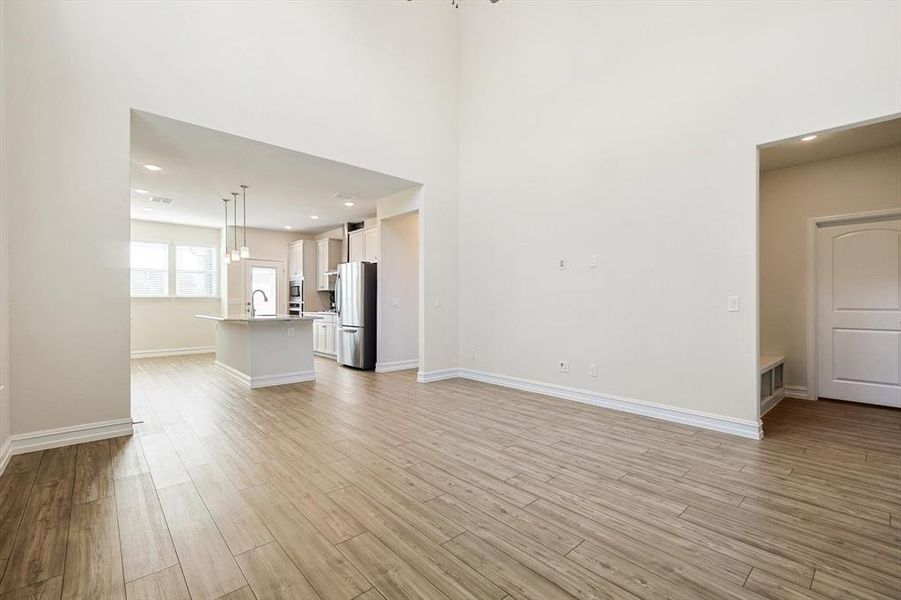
pixel 355 301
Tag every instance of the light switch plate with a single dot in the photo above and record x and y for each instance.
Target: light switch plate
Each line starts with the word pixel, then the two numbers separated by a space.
pixel 562 264
pixel 733 304
pixel 593 261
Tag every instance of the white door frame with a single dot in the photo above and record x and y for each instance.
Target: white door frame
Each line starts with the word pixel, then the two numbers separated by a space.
pixel 812 226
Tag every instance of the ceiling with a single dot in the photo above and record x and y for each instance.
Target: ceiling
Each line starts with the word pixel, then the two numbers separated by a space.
pixel 285 188
pixel 831 144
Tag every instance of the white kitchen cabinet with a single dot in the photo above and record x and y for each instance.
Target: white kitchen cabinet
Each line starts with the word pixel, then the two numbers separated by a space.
pixel 355 246
pixel 371 244
pixel 325 336
pixel 295 260
pixel 331 338
pixel 328 255
pixel 363 245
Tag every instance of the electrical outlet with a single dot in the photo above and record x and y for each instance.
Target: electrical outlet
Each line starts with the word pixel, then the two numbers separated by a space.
pixel 733 304
pixel 437 303
pixel 562 264
pixel 592 370
pixel 290 332
pixel 593 261
pixel 564 366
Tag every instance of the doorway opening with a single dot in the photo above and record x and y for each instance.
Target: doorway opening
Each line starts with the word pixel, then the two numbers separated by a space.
pixel 829 258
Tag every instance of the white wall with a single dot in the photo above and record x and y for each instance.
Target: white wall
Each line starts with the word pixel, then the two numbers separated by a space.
pixel 629 131
pixel 5 148
pixel 168 324
pixel 369 84
pixel 398 335
pixel 789 198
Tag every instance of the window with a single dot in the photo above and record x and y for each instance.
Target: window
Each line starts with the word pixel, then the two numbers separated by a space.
pixel 195 271
pixel 149 269
pixel 189 270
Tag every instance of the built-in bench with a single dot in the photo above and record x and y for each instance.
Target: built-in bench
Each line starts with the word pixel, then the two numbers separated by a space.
pixel 772 388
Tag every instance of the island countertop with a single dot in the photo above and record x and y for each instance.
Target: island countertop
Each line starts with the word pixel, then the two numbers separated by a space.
pixel 276 318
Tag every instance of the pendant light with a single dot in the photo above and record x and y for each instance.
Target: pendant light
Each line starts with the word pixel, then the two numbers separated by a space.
pixel 236 254
pixel 226 258
pixel 245 251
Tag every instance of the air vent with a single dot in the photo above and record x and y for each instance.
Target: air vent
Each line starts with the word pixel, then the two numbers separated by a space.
pixel 344 196
pixel 161 200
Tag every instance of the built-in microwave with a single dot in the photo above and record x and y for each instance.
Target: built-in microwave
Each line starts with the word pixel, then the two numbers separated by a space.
pixel 295 297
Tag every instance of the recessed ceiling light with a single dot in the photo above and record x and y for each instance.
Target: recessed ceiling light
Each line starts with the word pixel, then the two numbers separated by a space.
pixel 348 204
pixel 140 191
pixel 153 167
pixel 314 216
pixel 288 227
pixel 807 138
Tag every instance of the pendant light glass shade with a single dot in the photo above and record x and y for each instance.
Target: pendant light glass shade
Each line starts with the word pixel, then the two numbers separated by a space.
pixel 236 254
pixel 245 251
pixel 226 256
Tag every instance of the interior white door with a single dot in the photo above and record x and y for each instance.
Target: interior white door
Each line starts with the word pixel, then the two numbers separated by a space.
pixel 859 312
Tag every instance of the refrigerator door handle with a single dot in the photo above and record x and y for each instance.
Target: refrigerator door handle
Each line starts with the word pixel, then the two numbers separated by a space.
pixel 338 296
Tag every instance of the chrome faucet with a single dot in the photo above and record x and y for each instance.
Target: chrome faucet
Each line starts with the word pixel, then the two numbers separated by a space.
pixel 253 308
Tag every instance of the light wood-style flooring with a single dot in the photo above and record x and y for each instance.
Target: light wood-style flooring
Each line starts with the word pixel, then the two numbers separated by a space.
pixel 373 486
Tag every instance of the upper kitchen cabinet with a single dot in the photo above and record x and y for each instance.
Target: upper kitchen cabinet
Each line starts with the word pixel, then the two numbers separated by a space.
pixel 295 260
pixel 355 251
pixel 371 244
pixel 328 255
pixel 363 245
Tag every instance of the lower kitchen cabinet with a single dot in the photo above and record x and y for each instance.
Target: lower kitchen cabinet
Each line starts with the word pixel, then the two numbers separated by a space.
pixel 325 335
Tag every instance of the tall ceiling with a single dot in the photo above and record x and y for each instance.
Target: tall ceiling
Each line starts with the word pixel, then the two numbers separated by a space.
pixel 201 166
pixel 831 144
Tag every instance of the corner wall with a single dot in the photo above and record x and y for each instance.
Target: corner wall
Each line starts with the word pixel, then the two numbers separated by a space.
pixel 398 335
pixel 789 198
pixel 629 131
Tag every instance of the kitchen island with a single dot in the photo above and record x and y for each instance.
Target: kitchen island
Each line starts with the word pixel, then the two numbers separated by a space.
pixel 265 351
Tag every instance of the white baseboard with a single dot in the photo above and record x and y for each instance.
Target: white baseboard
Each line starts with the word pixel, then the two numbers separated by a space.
pixel 769 404
pixel 740 427
pixel 245 379
pixel 398 365
pixel 796 391
pixel 5 455
pixel 430 376
pixel 281 379
pixel 172 352
pixel 267 380
pixel 64 436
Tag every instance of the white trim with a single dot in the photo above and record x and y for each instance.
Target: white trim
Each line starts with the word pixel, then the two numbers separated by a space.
pixel 173 352
pixel 739 427
pixel 812 226
pixel 64 436
pixel 430 376
pixel 281 379
pixel 261 381
pixel 245 379
pixel 398 365
pixel 769 404
pixel 797 391
pixel 5 455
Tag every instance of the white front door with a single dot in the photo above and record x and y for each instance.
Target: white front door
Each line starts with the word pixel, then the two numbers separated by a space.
pixel 859 312
pixel 267 276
